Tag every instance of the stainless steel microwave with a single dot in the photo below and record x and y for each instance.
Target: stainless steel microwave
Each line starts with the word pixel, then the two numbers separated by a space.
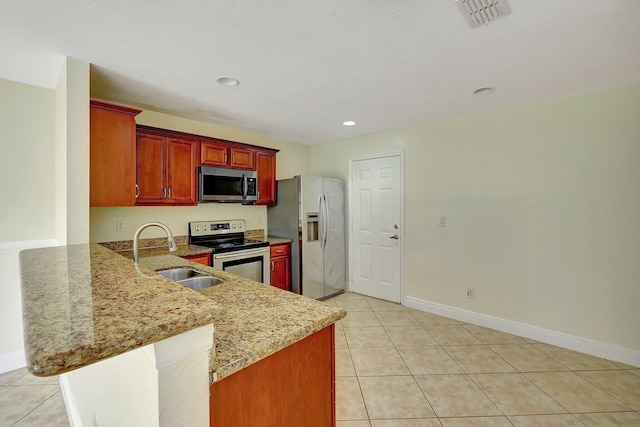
pixel 227 185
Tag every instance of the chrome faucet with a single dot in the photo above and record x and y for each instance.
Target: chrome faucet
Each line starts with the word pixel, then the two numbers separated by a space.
pixel 136 237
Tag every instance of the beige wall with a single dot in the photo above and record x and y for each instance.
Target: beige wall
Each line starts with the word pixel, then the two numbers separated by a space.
pixel 292 159
pixel 542 204
pixel 26 162
pixel 43 183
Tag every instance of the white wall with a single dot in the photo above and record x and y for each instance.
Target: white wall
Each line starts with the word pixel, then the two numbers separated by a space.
pixel 41 132
pixel 542 204
pixel 292 159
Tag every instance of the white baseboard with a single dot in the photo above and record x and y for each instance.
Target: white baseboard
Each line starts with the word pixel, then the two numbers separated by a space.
pixel 594 348
pixel 12 361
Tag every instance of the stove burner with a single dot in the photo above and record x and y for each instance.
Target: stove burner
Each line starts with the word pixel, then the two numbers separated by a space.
pixel 224 245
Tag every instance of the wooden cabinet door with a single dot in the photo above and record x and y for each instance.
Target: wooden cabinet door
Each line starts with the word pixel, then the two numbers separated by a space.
pixel 150 169
pixel 204 259
pixel 280 273
pixel 281 266
pixel 293 387
pixel 243 158
pixel 266 168
pixel 182 171
pixel 212 154
pixel 112 163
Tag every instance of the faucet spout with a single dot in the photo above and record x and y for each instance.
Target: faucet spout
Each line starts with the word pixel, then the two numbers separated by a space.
pixel 136 238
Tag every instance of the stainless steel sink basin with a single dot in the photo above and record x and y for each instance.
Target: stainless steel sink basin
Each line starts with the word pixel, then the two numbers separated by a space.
pixel 190 278
pixel 197 283
pixel 177 274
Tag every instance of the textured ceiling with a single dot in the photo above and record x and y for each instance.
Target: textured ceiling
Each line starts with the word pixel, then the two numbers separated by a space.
pixel 306 66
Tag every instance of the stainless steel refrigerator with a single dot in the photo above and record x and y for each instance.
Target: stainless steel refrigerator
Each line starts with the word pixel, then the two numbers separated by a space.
pixel 310 211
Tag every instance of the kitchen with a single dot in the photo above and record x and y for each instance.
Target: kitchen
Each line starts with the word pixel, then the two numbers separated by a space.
pixel 545 185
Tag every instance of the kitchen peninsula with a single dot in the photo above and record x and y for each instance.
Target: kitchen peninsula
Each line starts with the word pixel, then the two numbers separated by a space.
pixel 85 306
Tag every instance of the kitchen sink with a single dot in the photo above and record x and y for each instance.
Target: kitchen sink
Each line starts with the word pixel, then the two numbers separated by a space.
pixel 190 278
pixel 197 283
pixel 177 274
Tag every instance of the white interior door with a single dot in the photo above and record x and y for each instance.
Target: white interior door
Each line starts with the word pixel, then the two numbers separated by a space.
pixel 376 229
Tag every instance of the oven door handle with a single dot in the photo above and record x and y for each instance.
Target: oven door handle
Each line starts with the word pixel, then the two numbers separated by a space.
pixel 238 253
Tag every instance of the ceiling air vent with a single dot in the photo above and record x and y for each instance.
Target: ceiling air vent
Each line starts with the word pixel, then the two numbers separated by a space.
pixel 478 12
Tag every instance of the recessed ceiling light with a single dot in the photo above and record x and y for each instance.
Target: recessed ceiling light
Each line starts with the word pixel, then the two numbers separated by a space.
pixel 228 81
pixel 348 123
pixel 484 91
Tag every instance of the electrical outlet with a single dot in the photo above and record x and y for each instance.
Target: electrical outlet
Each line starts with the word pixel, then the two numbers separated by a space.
pixel 119 225
pixel 443 221
pixel 471 293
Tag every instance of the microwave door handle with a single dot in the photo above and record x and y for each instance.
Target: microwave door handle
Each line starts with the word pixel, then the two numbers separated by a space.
pixel 245 186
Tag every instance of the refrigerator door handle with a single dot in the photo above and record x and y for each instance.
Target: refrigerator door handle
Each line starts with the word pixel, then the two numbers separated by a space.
pixel 321 220
pixel 325 219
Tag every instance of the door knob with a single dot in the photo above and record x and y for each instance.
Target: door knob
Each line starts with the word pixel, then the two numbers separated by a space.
pixel 395 237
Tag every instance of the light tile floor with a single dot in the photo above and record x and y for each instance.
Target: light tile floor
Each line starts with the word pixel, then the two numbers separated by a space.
pixel 397 367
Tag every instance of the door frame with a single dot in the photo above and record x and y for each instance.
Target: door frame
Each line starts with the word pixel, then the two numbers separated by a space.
pixel 400 154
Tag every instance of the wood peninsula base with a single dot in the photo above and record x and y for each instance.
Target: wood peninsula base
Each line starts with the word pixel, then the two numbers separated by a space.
pixel 293 387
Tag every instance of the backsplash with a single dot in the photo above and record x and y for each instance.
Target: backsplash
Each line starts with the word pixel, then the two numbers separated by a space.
pixel 161 242
pixel 177 218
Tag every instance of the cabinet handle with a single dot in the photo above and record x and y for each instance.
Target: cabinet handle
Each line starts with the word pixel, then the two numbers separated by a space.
pixel 137 191
pixel 169 193
pixel 280 251
pixel 225 157
pixel 164 193
pixel 272 266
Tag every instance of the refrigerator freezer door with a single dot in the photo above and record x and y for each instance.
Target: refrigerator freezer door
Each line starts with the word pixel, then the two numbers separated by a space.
pixel 312 254
pixel 334 247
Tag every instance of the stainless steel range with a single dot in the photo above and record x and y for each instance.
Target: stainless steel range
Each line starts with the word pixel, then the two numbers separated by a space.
pixel 232 252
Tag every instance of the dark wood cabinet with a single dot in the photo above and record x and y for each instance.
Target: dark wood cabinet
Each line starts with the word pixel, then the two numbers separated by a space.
pixel 281 266
pixel 293 387
pixel 204 259
pixel 166 170
pixel 214 154
pixel 266 168
pixel 112 164
pixel 219 154
pixel 242 158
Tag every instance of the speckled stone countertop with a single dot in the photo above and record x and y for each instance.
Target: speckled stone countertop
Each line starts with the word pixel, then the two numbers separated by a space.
pixel 258 320
pixel 156 246
pixel 84 303
pixel 273 240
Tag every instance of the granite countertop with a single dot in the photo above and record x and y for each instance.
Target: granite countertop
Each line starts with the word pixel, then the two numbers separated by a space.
pixel 85 303
pixel 258 319
pixel 181 250
pixel 274 240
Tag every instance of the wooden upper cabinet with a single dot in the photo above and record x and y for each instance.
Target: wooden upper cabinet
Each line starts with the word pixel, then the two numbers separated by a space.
pixel 166 170
pixel 112 164
pixel 150 168
pixel 182 171
pixel 227 156
pixel 213 154
pixel 242 158
pixel 266 168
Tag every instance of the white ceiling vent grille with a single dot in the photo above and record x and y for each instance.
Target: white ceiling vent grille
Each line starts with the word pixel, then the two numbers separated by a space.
pixel 479 12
